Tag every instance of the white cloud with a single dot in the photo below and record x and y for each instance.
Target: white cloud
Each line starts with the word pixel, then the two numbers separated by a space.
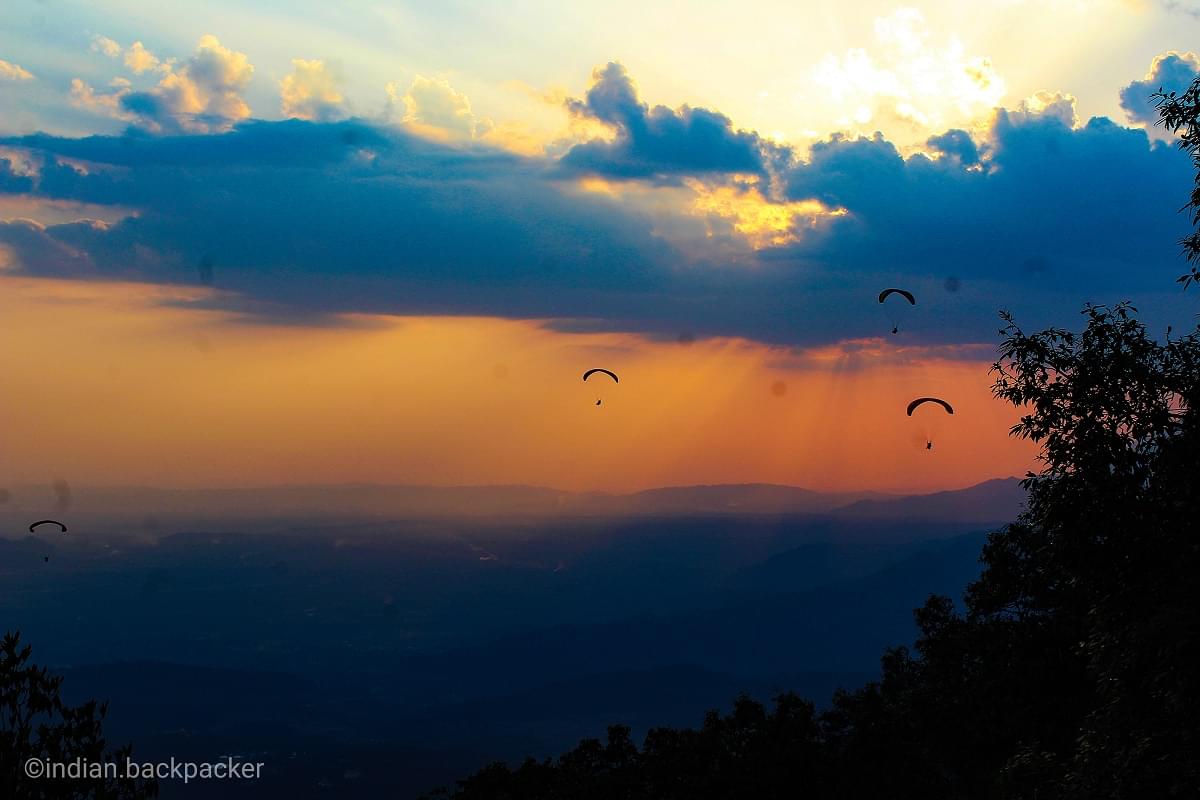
pixel 311 91
pixel 204 93
pixel 434 103
pixel 908 78
pixel 13 72
pixel 212 81
pixel 107 103
pixel 1172 71
pixel 105 45
pixel 139 59
pixel 1058 105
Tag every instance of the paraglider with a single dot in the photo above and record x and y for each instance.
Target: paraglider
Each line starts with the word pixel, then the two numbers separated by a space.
pixel 913 405
pixel 890 308
pixel 609 373
pixel 33 528
pixel 921 401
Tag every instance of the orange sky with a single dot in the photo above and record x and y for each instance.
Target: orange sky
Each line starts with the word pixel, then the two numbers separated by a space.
pixel 103 384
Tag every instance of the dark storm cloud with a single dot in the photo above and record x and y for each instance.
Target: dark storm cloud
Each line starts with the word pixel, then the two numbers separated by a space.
pixel 658 141
pixel 252 143
pixel 1169 72
pixel 300 221
pixel 957 143
pixel 1094 207
pixel 337 217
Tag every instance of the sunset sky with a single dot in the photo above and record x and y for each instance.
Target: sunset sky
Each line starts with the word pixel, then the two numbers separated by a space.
pixel 260 243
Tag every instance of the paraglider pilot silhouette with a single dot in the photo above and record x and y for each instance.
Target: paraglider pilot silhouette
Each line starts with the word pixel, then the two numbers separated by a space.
pixel 921 401
pixel 609 373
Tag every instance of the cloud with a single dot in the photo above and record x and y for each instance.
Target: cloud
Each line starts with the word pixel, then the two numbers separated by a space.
pixel 656 142
pixel 303 220
pixel 1045 106
pixel 957 143
pixel 319 218
pixel 1093 208
pixel 434 103
pixel 140 60
pixel 757 221
pixel 13 72
pixel 1189 7
pixel 137 58
pixel 23 240
pixel 311 91
pixel 105 45
pixel 12 181
pixel 82 95
pixel 1172 71
pixel 204 93
pixel 907 78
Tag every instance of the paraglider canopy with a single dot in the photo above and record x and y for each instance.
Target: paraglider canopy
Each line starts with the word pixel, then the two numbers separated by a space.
pixel 609 373
pixel 913 405
pixel 905 294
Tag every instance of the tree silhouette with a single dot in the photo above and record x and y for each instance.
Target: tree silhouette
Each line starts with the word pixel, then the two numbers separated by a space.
pixel 751 752
pixel 1180 114
pixel 1071 672
pixel 36 724
pixel 1106 554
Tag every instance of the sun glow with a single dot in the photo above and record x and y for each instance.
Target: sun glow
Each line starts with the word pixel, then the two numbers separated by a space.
pixel 908 79
pixel 761 222
pixel 117 385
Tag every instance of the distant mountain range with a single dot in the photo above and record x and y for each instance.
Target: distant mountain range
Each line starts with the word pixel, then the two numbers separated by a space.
pixel 997 500
pixel 990 502
pixel 348 635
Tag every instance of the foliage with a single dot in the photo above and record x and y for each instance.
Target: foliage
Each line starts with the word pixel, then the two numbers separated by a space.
pixel 751 752
pixel 36 724
pixel 1180 114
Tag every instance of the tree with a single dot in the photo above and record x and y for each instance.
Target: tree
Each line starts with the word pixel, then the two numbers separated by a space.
pixel 1180 114
pixel 36 724
pixel 750 752
pixel 1107 552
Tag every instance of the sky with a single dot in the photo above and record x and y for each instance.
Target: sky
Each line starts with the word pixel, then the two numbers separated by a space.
pixel 247 244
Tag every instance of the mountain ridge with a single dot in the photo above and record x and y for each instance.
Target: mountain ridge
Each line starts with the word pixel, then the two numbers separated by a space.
pixel 377 500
